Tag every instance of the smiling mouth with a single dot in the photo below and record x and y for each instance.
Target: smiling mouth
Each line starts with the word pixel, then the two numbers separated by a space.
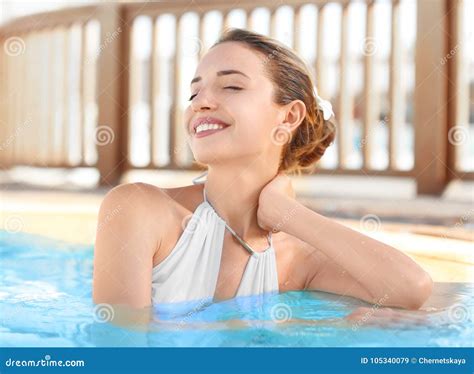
pixel 208 129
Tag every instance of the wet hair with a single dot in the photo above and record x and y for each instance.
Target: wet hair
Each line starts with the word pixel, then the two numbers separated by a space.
pixel 292 81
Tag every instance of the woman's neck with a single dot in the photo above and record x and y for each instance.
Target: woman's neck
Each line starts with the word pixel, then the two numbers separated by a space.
pixel 234 192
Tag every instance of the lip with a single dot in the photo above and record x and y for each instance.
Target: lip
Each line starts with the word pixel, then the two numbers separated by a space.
pixel 206 119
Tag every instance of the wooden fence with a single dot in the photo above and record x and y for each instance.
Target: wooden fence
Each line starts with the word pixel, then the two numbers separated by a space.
pixel 75 92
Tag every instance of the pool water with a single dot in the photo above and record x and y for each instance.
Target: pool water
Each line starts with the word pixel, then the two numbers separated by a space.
pixel 46 300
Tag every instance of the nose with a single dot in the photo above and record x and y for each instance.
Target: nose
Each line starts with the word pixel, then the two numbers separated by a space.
pixel 204 100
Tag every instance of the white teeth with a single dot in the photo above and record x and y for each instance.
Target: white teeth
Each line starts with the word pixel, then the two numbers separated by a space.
pixel 208 126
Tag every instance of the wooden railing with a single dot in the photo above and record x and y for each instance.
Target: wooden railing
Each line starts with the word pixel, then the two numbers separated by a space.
pixel 104 86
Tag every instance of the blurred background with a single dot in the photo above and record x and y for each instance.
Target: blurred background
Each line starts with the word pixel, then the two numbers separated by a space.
pixel 92 95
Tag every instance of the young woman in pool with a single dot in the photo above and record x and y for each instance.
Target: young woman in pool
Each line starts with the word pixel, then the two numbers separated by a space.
pixel 253 117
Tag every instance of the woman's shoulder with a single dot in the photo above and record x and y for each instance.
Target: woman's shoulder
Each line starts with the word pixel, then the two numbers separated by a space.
pixel 144 194
pixel 134 195
pixel 158 204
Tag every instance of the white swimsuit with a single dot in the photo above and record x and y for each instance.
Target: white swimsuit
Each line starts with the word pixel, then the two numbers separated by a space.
pixel 190 271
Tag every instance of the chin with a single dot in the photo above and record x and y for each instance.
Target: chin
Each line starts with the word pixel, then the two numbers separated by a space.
pixel 213 157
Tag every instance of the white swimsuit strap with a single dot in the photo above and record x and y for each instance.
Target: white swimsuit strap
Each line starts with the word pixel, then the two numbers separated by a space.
pixel 196 180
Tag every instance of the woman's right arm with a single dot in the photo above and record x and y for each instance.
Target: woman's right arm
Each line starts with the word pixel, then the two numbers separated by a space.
pixel 128 235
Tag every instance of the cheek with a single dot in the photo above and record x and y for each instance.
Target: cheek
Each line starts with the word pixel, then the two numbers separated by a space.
pixel 254 118
pixel 187 116
pixel 255 131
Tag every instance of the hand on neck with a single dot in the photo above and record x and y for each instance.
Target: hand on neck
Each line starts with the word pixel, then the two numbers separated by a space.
pixel 234 192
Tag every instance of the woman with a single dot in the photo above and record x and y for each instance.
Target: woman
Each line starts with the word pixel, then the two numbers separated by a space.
pixel 254 116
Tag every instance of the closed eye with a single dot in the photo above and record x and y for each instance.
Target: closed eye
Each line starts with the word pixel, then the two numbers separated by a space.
pixel 229 87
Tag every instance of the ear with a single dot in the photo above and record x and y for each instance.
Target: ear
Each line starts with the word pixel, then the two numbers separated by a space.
pixel 295 113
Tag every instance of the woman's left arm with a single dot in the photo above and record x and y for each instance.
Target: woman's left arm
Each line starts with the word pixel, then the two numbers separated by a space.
pixel 376 272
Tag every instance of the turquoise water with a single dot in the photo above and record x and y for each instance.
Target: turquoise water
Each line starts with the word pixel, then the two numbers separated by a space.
pixel 46 300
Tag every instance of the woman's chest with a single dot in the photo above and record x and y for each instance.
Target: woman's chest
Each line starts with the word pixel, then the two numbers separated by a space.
pixel 290 267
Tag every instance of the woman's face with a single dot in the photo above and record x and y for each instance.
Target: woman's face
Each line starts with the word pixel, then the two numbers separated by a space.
pixel 230 85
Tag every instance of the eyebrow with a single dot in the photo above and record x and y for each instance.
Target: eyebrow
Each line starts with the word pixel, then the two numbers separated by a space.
pixel 221 73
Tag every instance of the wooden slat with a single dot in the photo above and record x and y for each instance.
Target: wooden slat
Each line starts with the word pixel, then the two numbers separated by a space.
pixel 174 110
pixel 201 35
pixel 345 108
pixel 246 18
pixel 273 22
pixel 15 105
pixel 92 90
pixel 66 95
pixel 82 92
pixel 109 87
pixel 4 162
pixel 33 95
pixel 21 131
pixel 3 97
pixel 8 152
pixel 53 83
pixel 370 114
pixel 251 20
pixel 431 97
pixel 125 57
pixel 136 79
pixel 49 94
pixel 226 19
pixel 296 43
pixel 321 63
pixel 458 90
pixel 45 75
pixel 26 121
pixel 154 89
pixel 27 94
pixel 40 101
pixel 396 116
